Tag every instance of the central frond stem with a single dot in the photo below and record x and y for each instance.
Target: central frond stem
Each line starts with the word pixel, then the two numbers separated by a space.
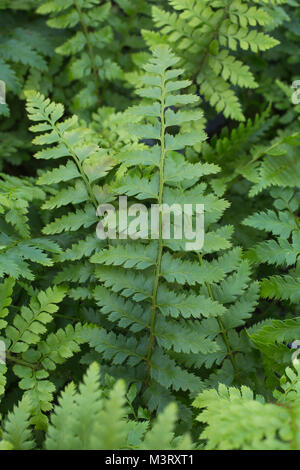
pixel 160 241
pixel 20 362
pixel 79 166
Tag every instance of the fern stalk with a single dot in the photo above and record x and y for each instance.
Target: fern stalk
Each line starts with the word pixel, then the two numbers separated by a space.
pixel 160 241
pixel 213 38
pixel 79 166
pixel 20 361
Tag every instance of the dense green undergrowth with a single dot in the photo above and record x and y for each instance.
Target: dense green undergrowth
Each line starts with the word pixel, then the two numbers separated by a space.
pixel 139 343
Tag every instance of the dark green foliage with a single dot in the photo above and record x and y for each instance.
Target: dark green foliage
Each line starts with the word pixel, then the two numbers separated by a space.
pixel 114 343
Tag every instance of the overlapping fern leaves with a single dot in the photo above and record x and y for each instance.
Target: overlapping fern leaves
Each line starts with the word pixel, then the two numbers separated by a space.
pixel 172 322
pixel 72 185
pixel 19 248
pixel 102 35
pixel 104 411
pixel 238 420
pixel 91 36
pixel 208 35
pixel 33 351
pixel 171 302
pixel 26 62
pixel 24 44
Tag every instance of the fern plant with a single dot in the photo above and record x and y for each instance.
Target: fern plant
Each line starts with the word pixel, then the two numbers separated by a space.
pixel 26 61
pixel 73 185
pixel 107 414
pixel 91 38
pixel 32 349
pixel 25 44
pixel 104 411
pixel 166 334
pixel 208 36
pixel 275 339
pixel 213 124
pixel 236 419
pixel 173 305
pixel 283 249
pixel 97 47
pixel 19 249
pixel 242 422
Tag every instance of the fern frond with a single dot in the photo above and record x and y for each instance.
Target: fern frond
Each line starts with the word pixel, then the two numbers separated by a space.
pixel 6 290
pixel 236 419
pixel 206 36
pixel 273 341
pixel 30 323
pixel 157 300
pixel 17 427
pixel 94 418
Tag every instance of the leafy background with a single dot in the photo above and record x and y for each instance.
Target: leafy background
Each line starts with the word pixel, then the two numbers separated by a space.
pixel 134 344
